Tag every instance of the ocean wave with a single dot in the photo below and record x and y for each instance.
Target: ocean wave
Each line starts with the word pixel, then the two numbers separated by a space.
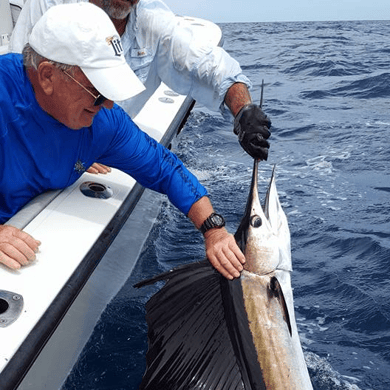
pixel 327 67
pixel 324 377
pixel 372 87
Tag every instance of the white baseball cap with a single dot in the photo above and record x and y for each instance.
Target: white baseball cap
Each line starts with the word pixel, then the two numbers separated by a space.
pixel 82 34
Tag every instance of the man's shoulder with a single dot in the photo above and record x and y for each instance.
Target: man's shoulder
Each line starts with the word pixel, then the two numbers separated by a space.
pixel 11 57
pixel 51 3
pixel 12 84
pixel 113 120
pixel 30 14
pixel 44 5
pixel 152 18
pixel 148 7
pixel 152 3
pixel 10 63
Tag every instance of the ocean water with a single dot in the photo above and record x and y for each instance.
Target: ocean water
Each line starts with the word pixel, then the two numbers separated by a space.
pixel 327 91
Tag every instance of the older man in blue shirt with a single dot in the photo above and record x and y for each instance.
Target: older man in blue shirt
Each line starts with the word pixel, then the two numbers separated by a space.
pixel 57 114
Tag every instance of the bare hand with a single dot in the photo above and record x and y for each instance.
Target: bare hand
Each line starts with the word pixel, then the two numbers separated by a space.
pixel 223 253
pixel 98 168
pixel 17 248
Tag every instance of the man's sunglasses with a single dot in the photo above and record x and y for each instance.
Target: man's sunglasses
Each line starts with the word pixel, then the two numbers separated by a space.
pixel 99 99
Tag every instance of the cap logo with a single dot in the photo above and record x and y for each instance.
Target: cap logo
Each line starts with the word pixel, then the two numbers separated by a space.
pixel 116 44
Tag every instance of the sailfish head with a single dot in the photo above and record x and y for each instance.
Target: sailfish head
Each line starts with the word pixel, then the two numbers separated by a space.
pixel 263 234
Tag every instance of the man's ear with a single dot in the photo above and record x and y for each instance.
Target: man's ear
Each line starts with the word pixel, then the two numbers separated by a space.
pixel 46 77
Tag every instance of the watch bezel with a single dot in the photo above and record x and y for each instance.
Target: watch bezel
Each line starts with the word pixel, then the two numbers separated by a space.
pixel 217 219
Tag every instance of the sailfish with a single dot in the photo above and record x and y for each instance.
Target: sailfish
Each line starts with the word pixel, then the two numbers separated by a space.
pixel 207 332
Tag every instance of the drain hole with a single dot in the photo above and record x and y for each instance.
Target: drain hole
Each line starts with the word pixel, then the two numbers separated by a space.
pixel 3 306
pixel 166 100
pixel 97 187
pixel 96 190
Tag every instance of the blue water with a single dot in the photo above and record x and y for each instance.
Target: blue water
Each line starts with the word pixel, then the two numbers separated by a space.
pixel 327 92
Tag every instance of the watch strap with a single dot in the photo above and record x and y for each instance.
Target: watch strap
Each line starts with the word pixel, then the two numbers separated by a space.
pixel 210 224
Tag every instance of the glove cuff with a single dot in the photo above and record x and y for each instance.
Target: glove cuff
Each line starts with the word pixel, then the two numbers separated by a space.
pixel 237 125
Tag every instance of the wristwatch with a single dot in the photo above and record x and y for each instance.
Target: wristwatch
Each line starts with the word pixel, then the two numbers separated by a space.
pixel 213 221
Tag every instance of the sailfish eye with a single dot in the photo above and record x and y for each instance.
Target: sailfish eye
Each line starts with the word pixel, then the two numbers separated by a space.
pixel 256 221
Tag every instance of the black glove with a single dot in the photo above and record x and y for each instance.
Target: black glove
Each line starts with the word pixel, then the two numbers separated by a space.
pixel 251 125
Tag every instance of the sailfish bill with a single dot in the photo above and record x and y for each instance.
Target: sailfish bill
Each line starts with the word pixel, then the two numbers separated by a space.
pixel 206 332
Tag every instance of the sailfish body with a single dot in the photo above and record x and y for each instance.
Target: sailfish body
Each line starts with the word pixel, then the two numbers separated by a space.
pixel 206 332
pixel 264 238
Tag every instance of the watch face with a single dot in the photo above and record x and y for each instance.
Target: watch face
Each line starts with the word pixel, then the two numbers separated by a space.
pixel 213 221
pixel 217 220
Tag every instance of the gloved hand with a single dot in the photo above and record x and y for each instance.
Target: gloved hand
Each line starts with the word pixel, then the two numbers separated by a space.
pixel 251 125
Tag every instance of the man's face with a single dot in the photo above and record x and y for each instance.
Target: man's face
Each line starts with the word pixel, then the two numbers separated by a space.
pixel 118 9
pixel 72 105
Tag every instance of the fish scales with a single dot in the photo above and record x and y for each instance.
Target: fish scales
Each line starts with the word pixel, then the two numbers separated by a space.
pixel 271 335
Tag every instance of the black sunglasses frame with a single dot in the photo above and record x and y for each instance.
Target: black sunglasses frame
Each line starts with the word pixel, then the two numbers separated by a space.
pixel 99 99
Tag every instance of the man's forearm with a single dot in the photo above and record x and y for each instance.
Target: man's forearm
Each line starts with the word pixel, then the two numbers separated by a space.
pixel 236 97
pixel 200 211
